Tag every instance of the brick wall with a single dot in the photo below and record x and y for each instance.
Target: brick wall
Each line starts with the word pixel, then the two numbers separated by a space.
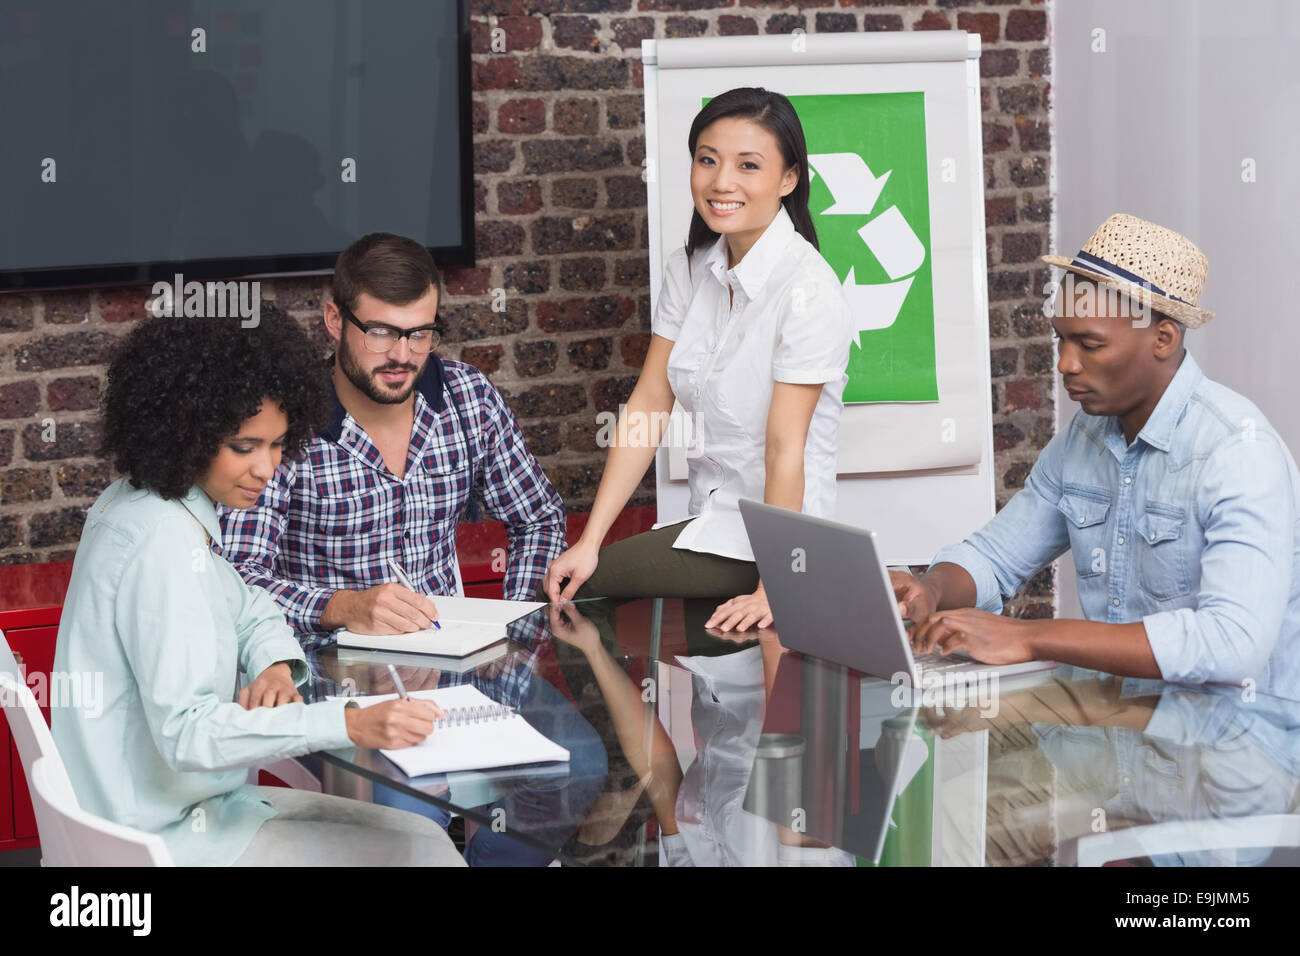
pixel 561 232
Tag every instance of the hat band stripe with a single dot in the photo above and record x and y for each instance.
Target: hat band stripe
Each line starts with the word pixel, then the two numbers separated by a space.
pixel 1095 264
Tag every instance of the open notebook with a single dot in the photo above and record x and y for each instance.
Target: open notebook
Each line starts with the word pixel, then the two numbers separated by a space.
pixel 468 625
pixel 476 734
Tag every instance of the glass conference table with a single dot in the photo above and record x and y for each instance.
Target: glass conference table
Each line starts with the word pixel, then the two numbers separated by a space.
pixel 689 747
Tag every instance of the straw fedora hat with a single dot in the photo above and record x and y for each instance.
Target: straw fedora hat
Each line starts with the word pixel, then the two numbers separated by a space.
pixel 1152 264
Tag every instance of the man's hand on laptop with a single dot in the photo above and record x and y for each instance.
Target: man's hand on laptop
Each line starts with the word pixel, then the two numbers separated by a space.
pixel 989 638
pixel 386 609
pixel 916 600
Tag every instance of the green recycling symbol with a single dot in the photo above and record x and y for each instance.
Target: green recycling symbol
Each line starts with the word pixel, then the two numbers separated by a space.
pixel 871 208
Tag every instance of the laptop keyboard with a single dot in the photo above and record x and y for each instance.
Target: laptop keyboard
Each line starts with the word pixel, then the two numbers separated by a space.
pixel 937 663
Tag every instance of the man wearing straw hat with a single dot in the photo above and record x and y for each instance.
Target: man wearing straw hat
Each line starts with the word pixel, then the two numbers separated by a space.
pixel 1175 495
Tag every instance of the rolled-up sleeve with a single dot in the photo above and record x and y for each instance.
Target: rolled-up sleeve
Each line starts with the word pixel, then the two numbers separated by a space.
pixel 1247 508
pixel 674 297
pixel 1021 539
pixel 172 644
pixel 814 334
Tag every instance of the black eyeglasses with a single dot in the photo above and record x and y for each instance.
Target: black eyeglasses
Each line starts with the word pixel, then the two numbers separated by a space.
pixel 382 338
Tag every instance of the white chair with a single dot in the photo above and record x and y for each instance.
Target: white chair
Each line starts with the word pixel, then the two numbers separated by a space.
pixel 69 835
pixel 1224 836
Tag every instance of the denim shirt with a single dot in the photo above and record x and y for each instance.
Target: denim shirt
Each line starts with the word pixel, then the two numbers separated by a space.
pixel 1192 530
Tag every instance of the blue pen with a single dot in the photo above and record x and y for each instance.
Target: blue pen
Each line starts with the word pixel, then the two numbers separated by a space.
pixel 406 582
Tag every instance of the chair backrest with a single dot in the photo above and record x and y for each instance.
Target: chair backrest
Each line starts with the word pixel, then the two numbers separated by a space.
pixel 72 837
pixel 69 835
pixel 26 722
pixel 1189 836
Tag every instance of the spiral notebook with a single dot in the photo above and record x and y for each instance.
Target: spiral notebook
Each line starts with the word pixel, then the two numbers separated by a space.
pixel 476 734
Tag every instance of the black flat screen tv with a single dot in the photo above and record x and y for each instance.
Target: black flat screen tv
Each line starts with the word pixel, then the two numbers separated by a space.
pixel 225 138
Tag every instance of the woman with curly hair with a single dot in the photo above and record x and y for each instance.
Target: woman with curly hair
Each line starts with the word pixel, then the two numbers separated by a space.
pixel 199 412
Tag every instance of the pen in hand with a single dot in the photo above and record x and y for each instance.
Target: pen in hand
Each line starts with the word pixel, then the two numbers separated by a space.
pixel 397 682
pixel 406 583
pixel 402 693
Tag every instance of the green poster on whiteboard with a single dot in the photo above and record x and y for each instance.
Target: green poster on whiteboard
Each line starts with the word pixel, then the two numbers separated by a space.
pixel 871 206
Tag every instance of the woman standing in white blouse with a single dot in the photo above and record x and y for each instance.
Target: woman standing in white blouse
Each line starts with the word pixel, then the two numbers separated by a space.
pixel 751 337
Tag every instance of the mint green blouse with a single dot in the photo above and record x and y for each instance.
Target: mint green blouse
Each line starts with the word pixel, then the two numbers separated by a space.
pixel 169 624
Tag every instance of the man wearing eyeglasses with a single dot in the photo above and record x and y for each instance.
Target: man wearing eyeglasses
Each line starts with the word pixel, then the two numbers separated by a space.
pixel 411 439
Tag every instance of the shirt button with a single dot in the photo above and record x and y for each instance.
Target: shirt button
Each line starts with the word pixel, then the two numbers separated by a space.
pixel 1128 481
pixel 1115 601
pixel 1121 540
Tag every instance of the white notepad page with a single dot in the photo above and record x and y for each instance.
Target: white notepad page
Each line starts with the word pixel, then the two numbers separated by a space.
pixel 496 742
pixel 468 625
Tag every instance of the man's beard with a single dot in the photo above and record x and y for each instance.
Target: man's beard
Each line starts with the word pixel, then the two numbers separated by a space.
pixel 369 385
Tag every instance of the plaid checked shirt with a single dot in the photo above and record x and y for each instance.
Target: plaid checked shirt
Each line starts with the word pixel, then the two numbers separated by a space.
pixel 330 520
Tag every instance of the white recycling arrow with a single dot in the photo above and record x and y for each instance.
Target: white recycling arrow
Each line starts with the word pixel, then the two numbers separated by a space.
pixel 852 185
pixel 855 189
pixel 876 306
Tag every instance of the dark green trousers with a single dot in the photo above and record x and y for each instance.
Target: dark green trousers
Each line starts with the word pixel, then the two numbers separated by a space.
pixel 647 565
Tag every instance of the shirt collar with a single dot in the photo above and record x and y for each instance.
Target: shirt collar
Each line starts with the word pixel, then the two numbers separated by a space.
pixel 753 271
pixel 197 503
pixel 1158 432
pixel 432 385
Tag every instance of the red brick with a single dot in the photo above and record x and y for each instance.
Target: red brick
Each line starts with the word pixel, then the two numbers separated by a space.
pixel 519 198
pixel 997 137
pixel 466 281
pixel 1022 394
pixel 123 305
pixel 999 63
pixel 66 308
pixel 16 313
pixel 1026 25
pixel 630 31
pixel 575 33
pixel 881 22
pixel 1003 362
pixel 486 358
pixel 522 116
pixel 497 73
pixel 932 20
pixel 1000 211
pixel 72 394
pixel 579 117
pixel 1006 436
pixel 522 33
pixel 573 315
pixel 730 26
pixel 985 24
pixel 685 27
pixel 19 400
pixel 632 349
pixel 494 155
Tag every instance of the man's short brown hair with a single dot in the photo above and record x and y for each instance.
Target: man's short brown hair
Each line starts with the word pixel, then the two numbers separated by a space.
pixel 391 268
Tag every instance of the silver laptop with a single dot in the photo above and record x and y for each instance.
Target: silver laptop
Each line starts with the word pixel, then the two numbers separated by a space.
pixel 831 597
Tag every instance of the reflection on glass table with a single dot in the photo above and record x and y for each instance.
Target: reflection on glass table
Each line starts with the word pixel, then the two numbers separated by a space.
pixel 693 747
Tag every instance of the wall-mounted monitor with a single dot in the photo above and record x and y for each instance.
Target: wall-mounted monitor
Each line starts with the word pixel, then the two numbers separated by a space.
pixel 222 138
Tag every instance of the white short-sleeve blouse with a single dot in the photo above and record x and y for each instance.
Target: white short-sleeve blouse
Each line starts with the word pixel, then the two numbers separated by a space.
pixel 787 321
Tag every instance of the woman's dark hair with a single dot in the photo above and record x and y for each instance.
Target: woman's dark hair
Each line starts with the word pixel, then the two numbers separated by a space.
pixel 391 268
pixel 179 387
pixel 775 113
